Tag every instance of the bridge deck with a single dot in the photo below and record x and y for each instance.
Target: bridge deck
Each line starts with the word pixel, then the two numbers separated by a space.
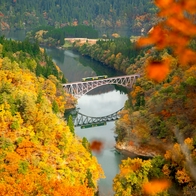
pixel 82 87
pixel 105 79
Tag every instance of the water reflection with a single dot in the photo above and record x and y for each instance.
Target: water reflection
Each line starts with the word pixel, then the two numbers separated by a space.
pixel 90 121
pixel 108 159
pixel 70 53
pixel 75 66
pixel 102 104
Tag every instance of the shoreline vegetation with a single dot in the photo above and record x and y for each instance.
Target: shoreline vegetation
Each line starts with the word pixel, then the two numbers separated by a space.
pixel 78 43
pixel 39 150
pixel 93 49
pixel 160 109
pixel 158 118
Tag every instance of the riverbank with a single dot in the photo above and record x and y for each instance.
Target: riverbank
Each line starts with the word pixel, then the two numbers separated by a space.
pixel 142 150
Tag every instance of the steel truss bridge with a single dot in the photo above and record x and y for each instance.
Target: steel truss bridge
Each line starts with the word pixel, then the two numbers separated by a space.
pixel 78 89
pixel 84 120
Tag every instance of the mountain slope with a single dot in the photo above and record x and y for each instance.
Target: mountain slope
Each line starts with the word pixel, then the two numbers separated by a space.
pixel 112 13
pixel 38 153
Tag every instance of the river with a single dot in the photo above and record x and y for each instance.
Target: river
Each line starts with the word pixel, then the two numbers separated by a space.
pixel 99 102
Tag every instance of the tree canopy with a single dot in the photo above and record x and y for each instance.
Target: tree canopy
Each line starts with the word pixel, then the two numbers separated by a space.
pixel 38 153
pixel 28 14
pixel 165 121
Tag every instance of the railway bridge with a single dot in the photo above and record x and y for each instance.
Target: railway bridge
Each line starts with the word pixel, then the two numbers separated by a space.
pixel 88 121
pixel 78 89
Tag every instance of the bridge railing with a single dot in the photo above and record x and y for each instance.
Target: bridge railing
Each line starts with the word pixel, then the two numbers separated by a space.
pixel 80 88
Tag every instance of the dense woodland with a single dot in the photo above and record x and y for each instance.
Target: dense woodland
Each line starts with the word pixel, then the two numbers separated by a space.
pixel 19 14
pixel 52 36
pixel 117 53
pixel 31 56
pixel 160 112
pixel 39 152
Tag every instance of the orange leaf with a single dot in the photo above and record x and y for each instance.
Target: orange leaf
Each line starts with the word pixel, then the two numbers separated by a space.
pixel 157 71
pixel 182 25
pixel 156 186
pixel 163 4
pixel 157 35
pixel 96 146
pixel 186 56
pixel 174 9
pixel 190 5
pixel 144 41
pixel 176 40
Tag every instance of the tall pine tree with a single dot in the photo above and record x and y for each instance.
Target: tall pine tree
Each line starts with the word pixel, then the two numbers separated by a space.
pixel 71 125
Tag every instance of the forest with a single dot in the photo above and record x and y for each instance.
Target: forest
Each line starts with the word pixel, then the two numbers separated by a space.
pixel 51 36
pixel 39 152
pixel 117 53
pixel 160 113
pixel 27 14
pixel 31 56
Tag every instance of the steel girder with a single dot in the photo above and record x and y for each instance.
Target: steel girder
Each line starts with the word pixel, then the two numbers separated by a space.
pixel 82 119
pixel 78 89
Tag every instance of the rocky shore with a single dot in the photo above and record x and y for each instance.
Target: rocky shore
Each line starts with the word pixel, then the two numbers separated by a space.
pixel 143 151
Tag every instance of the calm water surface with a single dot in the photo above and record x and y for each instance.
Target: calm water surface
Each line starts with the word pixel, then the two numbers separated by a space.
pixel 101 105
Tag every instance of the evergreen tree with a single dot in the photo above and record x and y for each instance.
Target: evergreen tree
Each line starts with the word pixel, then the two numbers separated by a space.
pixel 71 125
pixel 55 107
pixel 89 178
pixel 85 143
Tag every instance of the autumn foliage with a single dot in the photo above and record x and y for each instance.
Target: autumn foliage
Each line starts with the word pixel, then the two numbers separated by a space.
pixel 160 113
pixel 157 71
pixel 176 31
pixel 97 146
pixel 38 153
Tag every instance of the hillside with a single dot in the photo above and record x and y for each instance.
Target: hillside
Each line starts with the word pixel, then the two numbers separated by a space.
pixel 39 152
pixel 133 14
pixel 160 113
pixel 158 120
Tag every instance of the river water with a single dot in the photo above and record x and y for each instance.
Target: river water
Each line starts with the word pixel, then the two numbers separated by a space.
pixel 99 102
